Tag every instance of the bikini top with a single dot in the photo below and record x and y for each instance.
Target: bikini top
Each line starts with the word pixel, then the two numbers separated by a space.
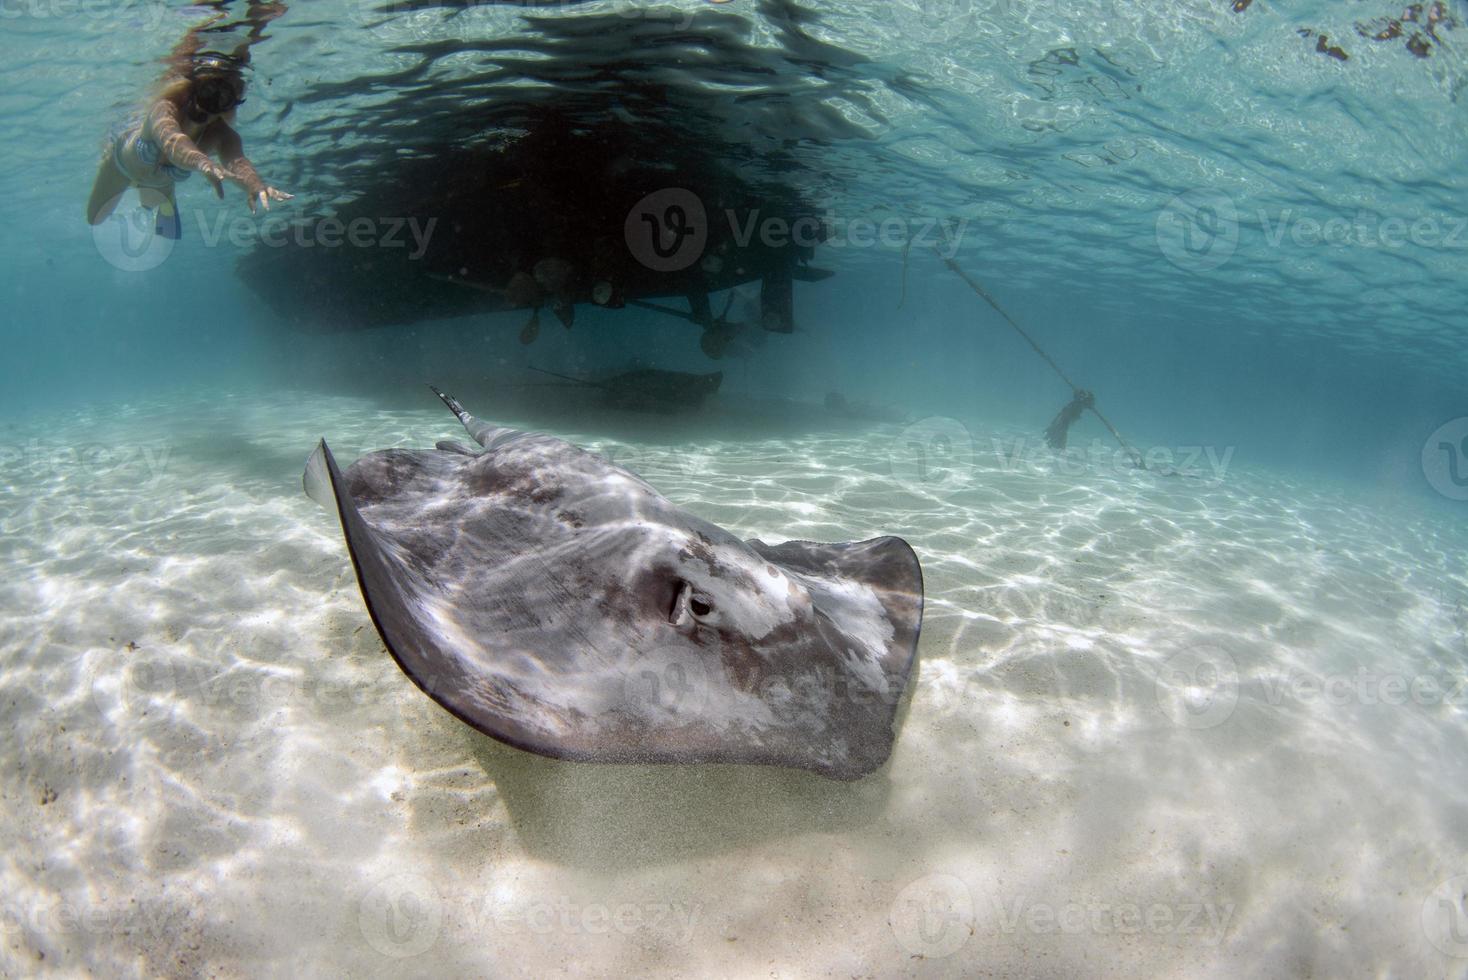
pixel 149 154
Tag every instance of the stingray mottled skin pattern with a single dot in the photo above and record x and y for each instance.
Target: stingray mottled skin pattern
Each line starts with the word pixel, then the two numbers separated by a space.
pixel 560 604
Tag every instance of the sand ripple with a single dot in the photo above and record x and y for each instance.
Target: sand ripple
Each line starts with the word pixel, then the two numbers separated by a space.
pixel 1162 725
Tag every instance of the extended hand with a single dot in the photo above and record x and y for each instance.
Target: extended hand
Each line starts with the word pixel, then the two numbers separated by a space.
pixel 217 175
pixel 262 196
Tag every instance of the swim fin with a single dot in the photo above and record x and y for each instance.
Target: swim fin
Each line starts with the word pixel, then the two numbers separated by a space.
pixel 166 223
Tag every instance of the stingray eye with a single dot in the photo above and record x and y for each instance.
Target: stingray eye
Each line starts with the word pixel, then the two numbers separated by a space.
pixel 689 608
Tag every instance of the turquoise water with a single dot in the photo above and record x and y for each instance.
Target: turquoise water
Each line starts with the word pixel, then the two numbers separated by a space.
pixel 1231 696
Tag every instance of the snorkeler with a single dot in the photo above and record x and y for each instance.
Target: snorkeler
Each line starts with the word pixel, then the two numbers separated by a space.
pixel 189 120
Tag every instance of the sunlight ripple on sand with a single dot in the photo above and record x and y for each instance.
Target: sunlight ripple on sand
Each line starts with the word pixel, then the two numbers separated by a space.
pixel 1136 694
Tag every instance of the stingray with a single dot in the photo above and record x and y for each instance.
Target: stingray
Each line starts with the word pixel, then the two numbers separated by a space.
pixel 560 604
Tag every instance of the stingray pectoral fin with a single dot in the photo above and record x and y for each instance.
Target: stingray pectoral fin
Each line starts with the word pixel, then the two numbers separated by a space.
pixel 397 598
pixel 416 620
pixel 317 478
pixel 870 595
pixel 379 570
pixel 886 566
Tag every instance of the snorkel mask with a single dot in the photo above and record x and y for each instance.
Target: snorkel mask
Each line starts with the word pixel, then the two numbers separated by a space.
pixel 218 84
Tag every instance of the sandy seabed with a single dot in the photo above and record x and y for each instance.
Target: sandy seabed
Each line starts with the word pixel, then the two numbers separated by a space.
pixel 1203 726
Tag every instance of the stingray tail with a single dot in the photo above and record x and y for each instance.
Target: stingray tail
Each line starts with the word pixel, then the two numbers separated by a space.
pixel 454 406
pixel 482 432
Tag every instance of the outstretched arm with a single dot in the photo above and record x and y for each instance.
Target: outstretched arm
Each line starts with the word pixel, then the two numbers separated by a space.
pixel 179 149
pixel 222 138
